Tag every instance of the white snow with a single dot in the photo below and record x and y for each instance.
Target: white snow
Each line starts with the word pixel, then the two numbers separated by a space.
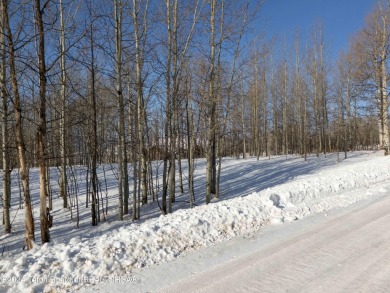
pixel 257 193
pixel 346 252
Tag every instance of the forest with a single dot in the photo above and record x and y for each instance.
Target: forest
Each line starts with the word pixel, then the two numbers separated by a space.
pixel 128 83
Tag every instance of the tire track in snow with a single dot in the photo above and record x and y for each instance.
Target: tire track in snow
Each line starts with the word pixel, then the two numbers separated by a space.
pixel 348 254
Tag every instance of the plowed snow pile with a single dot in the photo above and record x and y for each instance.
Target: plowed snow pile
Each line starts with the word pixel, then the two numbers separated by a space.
pixel 81 261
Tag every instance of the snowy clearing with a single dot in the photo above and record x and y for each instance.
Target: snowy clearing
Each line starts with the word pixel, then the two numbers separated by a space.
pixel 277 190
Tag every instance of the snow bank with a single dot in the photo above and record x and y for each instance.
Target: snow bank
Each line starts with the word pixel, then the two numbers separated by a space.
pixel 102 258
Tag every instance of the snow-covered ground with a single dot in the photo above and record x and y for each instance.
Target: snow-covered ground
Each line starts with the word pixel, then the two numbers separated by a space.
pixel 344 250
pixel 254 194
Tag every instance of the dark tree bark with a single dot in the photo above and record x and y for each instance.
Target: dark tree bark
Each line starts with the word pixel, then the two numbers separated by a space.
pixel 41 135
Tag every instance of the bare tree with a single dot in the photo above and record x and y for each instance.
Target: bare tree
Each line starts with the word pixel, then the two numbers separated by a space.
pixel 63 178
pixel 41 135
pixel 370 49
pixel 285 93
pixel 93 140
pixel 123 204
pixel 210 159
pixel 5 136
pixel 21 147
pixel 139 53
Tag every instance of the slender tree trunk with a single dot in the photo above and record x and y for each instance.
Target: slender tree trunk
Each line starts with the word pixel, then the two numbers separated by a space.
pixel 242 122
pixel 140 104
pixel 41 136
pixel 265 102
pixel 190 142
pixel 149 161
pixel 275 117
pixel 166 149
pixel 5 137
pixel 139 193
pixel 384 103
pixel 324 112
pixel 179 147
pixel 123 204
pixel 285 127
pixel 135 171
pixel 220 142
pixel 94 146
pixel 63 177
pixel 348 135
pixel 134 138
pixel 210 164
pixel 118 39
pixel 257 111
pixel 174 98
pixel 168 116
pixel 21 148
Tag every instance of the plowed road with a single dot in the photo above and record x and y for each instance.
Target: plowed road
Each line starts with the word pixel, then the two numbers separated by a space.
pixel 348 252
pixel 342 250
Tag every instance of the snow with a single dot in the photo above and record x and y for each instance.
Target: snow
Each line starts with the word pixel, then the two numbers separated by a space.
pixel 346 252
pixel 254 195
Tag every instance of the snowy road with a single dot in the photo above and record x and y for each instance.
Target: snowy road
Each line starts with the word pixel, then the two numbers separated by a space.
pixel 346 252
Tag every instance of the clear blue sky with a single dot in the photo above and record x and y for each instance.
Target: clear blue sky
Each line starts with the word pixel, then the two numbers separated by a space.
pixel 340 18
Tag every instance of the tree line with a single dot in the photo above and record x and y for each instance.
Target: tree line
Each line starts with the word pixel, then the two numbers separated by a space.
pixel 134 81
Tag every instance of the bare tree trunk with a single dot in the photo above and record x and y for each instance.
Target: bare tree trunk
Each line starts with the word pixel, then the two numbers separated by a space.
pixel 257 111
pixel 166 140
pixel 149 161
pixel 243 121
pixel 21 148
pixel 87 188
pixel 123 187
pixel 384 107
pixel 174 97
pixel 190 142
pixel 93 140
pixel 316 93
pixel 347 135
pixel 140 104
pixel 168 118
pixel 265 102
pixel 324 112
pixel 275 116
pixel 172 61
pixel 133 130
pixel 139 193
pixel 5 137
pixel 135 172
pixel 63 178
pixel 210 164
pixel 285 126
pixel 179 147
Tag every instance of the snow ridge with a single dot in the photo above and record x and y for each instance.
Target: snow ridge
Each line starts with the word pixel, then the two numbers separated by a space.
pixel 67 267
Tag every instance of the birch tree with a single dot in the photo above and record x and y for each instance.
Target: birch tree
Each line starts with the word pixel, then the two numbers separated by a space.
pixel 63 178
pixel 139 53
pixel 93 132
pixel 123 187
pixel 5 135
pixel 20 143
